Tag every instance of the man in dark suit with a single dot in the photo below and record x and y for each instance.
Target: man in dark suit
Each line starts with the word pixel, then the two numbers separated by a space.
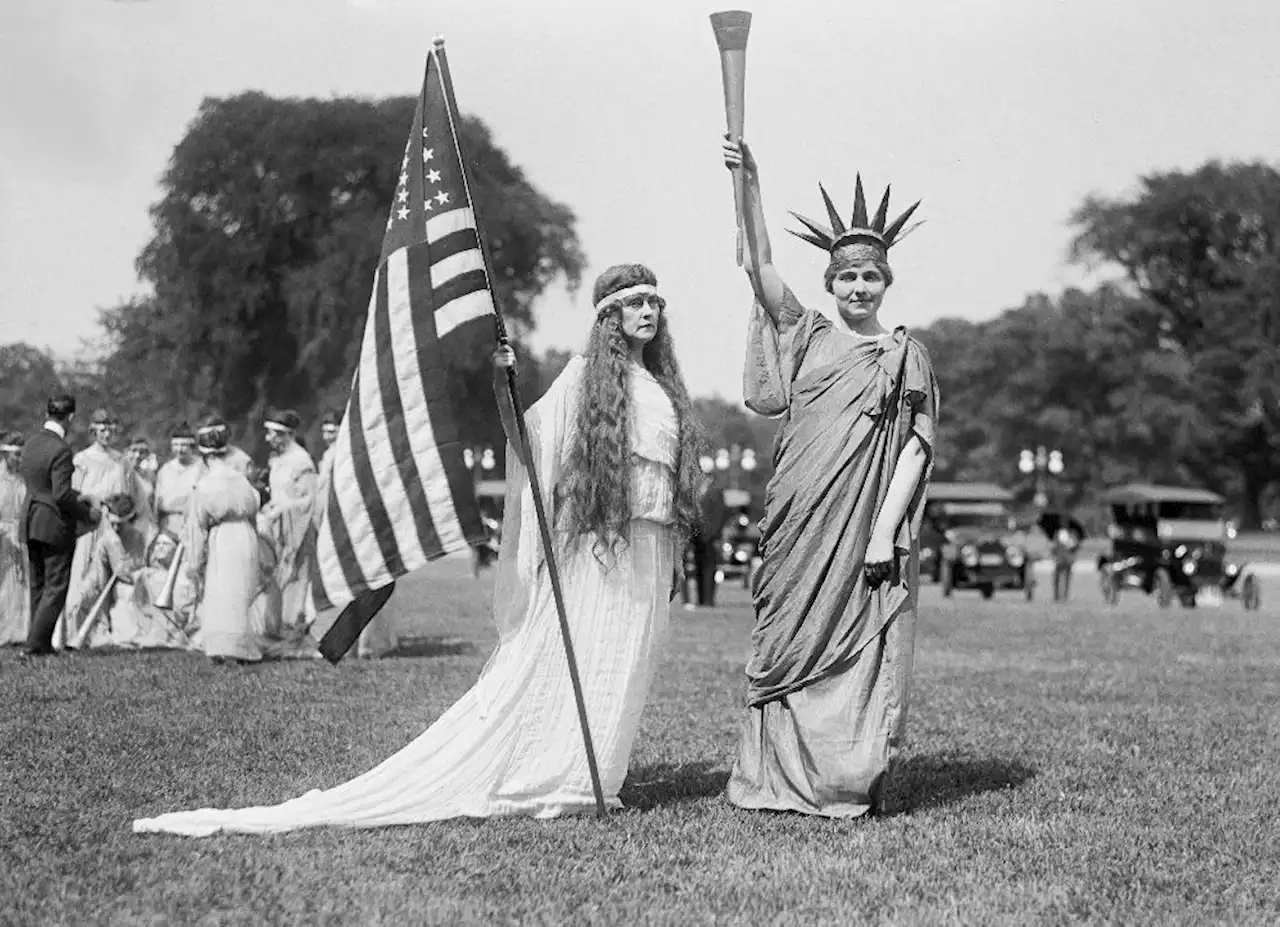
pixel 705 543
pixel 50 516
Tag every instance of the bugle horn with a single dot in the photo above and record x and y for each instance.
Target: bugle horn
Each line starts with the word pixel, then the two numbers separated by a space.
pixel 165 598
pixel 99 606
pixel 731 28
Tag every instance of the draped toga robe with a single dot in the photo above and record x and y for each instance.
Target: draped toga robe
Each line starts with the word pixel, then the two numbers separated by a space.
pixel 831 657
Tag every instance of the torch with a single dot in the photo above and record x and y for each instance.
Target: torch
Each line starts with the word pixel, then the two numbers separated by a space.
pixel 731 28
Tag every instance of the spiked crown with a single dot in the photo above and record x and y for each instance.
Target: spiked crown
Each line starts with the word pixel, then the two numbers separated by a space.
pixel 860 230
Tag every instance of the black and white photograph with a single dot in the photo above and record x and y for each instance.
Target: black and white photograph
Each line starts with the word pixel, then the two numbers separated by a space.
pixel 478 462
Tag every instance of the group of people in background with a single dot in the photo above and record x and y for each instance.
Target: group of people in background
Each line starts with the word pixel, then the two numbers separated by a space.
pixel 108 547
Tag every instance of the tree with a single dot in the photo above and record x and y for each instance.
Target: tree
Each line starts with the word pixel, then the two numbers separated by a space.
pixel 1203 249
pixel 28 376
pixel 266 241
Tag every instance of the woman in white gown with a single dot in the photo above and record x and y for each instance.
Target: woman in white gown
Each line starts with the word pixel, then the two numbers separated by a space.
pixel 15 593
pixel 222 543
pixel 617 454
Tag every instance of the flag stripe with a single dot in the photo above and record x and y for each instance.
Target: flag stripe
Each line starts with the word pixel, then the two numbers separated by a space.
pixel 446 223
pixel 472 306
pixel 464 284
pixel 371 512
pixel 405 404
pixel 453 243
pixel 441 428
pixel 345 554
pixel 445 270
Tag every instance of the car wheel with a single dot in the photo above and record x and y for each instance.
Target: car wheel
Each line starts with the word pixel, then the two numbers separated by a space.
pixel 1164 588
pixel 1251 594
pixel 947 579
pixel 987 591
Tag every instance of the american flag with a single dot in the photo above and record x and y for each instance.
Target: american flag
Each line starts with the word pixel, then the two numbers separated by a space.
pixel 401 493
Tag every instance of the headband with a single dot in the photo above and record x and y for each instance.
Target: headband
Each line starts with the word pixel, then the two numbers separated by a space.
pixel 210 429
pixel 275 426
pixel 641 288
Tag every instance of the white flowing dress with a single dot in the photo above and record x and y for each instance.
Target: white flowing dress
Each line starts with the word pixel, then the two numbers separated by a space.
pixel 512 744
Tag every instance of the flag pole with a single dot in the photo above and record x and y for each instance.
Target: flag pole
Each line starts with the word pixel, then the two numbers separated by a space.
pixel 544 527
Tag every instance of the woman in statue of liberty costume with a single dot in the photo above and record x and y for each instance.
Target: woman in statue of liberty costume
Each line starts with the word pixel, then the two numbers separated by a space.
pixel 835 596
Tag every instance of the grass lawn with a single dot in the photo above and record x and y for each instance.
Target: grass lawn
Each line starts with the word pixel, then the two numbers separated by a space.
pixel 1066 765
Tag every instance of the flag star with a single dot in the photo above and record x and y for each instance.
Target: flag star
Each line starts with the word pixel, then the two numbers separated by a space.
pixel 433 176
pixel 428 205
pixel 403 195
pixel 405 162
pixel 428 154
pixel 404 178
pixel 402 212
pixel 442 197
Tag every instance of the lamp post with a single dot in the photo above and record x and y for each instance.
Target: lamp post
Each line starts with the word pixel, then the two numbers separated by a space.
pixel 1042 462
pixel 479 460
pixel 736 459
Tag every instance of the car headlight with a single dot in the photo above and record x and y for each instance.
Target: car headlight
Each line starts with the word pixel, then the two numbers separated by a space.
pixel 969 554
pixel 1188 567
pixel 1180 550
pixel 740 556
pixel 1014 556
pixel 1232 569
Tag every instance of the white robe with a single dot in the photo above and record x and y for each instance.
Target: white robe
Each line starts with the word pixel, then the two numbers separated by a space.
pixel 512 745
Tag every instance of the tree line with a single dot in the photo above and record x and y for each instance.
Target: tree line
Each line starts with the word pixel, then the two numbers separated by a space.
pixel 267 233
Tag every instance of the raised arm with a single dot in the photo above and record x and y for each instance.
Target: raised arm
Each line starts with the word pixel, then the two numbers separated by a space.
pixel 757 254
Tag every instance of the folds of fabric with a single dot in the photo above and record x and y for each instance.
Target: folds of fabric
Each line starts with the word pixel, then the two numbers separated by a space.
pixel 15 590
pixel 99 473
pixel 174 483
pixel 222 544
pixel 826 696
pixel 288 520
pixel 848 421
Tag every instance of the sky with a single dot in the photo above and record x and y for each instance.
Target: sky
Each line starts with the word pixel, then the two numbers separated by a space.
pixel 1000 116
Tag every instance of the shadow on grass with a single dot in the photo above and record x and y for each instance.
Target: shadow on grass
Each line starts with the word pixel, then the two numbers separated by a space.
pixel 922 782
pixel 650 787
pixel 431 647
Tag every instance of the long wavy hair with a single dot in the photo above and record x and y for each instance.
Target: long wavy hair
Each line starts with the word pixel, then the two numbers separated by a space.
pixel 594 495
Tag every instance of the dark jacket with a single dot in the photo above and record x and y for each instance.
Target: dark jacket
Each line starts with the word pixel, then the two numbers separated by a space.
pixel 52 508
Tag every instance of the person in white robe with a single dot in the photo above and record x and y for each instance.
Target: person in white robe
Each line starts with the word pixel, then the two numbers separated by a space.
pixel 617 450
pixel 15 589
pixel 145 466
pixel 176 479
pixel 139 618
pixel 223 549
pixel 287 519
pixel 101 471
pixel 123 540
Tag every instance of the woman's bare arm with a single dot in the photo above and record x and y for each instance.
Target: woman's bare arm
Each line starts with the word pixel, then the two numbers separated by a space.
pixel 757 254
pixel 907 472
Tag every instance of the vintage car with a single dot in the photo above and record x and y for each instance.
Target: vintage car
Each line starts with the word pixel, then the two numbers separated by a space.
pixel 739 553
pixel 1171 541
pixel 969 540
